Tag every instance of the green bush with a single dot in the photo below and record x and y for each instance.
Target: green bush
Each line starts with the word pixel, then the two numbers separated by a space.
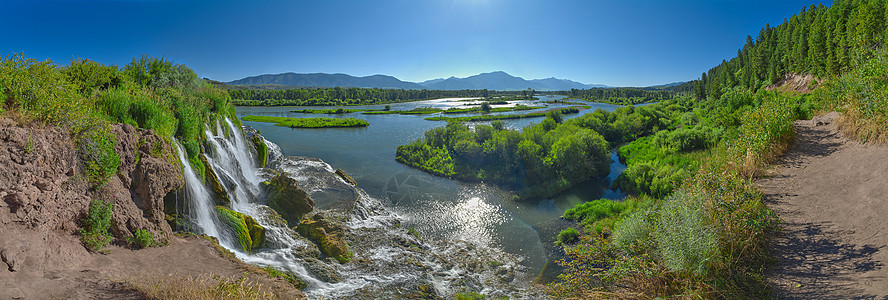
pixel 685 241
pixel 567 236
pixel 97 154
pixel 142 238
pixel 94 228
pixel 635 228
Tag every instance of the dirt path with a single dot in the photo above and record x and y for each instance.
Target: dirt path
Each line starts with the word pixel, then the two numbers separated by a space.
pixel 831 195
pixel 55 266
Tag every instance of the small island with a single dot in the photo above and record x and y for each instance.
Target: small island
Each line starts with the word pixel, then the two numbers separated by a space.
pixel 308 122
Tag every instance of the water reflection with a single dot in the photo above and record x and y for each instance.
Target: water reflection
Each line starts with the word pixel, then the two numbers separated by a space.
pixel 436 207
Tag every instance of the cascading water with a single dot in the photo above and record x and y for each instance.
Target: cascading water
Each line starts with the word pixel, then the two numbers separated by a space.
pixel 389 262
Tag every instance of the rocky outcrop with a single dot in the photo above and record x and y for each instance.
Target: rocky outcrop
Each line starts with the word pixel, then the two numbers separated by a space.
pixel 344 176
pixel 148 172
pixel 328 234
pixel 287 198
pixel 39 184
pixel 215 184
pixel 249 233
pixel 261 150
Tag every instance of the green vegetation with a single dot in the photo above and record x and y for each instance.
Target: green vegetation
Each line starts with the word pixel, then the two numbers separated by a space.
pixel 308 122
pixel 620 96
pixel 337 111
pixel 479 109
pixel 249 233
pixel 86 97
pixel 541 160
pixel 700 227
pixel 142 238
pixel 292 279
pixel 415 111
pixel 567 236
pixel 567 110
pixel 340 97
pixel 469 296
pixel 94 228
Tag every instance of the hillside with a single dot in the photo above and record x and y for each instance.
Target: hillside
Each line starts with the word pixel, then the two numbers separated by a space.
pixel 327 80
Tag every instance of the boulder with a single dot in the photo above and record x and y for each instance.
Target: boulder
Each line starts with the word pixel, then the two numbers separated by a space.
pixel 214 183
pixel 249 233
pixel 327 234
pixel 261 150
pixel 287 198
pixel 344 176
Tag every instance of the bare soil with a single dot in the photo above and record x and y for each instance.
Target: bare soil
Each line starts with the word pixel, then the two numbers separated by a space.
pixel 797 83
pixel 50 265
pixel 831 195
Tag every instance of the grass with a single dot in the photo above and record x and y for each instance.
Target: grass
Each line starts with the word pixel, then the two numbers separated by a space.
pixel 176 286
pixel 308 122
pixel 337 111
pixel 141 239
pixel 415 111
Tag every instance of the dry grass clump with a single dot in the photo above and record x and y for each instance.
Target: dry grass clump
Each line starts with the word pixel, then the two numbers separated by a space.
pixel 182 287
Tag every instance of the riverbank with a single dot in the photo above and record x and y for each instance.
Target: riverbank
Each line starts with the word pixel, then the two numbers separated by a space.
pixel 829 193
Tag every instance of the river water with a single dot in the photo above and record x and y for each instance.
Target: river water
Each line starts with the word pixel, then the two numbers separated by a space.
pixel 437 207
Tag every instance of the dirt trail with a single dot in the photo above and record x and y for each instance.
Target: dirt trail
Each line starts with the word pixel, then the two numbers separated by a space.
pixel 831 195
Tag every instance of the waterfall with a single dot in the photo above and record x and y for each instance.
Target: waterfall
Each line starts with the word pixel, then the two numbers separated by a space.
pixel 201 209
pixel 391 258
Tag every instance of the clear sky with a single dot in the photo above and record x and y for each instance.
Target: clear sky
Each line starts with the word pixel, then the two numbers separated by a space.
pixel 618 42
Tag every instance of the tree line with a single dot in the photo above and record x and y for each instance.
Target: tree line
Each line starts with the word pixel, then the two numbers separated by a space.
pixel 344 96
pixel 819 40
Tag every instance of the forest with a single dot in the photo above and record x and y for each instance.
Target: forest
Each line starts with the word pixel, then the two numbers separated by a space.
pixel 343 96
pixel 621 96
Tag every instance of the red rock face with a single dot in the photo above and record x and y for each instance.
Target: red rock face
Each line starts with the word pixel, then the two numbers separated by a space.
pixel 37 184
pixel 148 171
pixel 42 187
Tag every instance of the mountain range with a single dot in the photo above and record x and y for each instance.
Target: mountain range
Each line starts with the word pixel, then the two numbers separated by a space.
pixel 498 80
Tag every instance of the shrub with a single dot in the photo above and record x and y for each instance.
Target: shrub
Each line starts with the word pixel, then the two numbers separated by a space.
pixel 685 241
pixel 94 229
pixel 97 154
pixel 567 236
pixel 142 238
pixel 634 228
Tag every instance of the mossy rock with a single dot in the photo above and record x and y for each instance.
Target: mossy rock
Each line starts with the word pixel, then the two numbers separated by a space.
pixel 249 233
pixel 288 199
pixel 328 235
pixel 345 177
pixel 261 150
pixel 215 184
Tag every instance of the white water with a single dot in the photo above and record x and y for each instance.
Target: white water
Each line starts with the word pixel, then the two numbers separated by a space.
pixel 201 208
pixel 390 265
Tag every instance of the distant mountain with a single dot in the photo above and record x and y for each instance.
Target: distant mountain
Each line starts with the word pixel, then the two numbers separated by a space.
pixel 502 81
pixel 555 84
pixel 328 80
pixel 498 80
pixel 668 85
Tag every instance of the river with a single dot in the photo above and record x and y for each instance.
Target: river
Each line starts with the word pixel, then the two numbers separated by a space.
pixel 438 207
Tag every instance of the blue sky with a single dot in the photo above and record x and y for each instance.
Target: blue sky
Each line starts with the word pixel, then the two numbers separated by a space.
pixel 618 43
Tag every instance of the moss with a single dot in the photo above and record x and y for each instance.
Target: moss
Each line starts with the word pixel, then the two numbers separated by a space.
pixel 261 150
pixel 328 235
pixel 345 177
pixel 288 199
pixel 249 233
pixel 215 184
pixel 292 279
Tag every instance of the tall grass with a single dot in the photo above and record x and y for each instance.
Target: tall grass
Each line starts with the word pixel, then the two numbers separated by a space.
pixel 862 97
